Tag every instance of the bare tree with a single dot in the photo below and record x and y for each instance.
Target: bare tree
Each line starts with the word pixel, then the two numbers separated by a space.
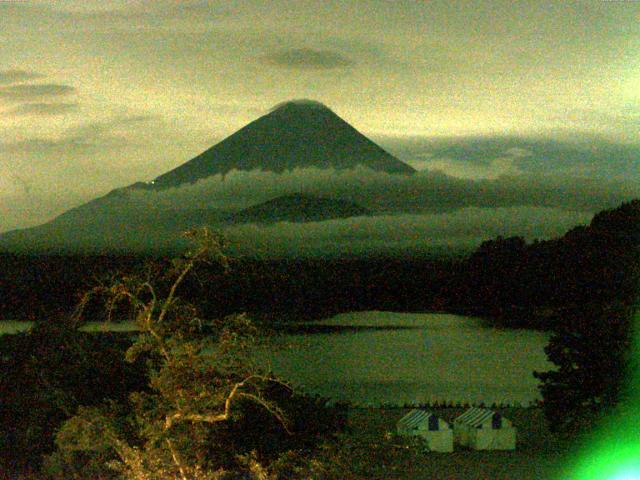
pixel 200 374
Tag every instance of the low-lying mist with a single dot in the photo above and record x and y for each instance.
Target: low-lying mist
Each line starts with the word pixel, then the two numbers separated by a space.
pixel 410 214
pixel 425 191
pixel 405 234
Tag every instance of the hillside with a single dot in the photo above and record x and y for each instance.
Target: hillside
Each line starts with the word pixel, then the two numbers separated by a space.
pixel 298 208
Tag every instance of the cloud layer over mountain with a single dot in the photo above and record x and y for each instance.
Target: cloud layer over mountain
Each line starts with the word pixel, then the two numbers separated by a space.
pixel 454 232
pixel 307 58
pixel 383 192
pixel 423 213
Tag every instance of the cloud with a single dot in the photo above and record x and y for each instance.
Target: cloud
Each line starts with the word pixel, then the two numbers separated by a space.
pixel 32 91
pixel 492 156
pixel 32 145
pixel 44 109
pixel 404 234
pixel 305 102
pixel 619 124
pixel 628 116
pixel 15 76
pixel 518 152
pixel 132 8
pixel 210 8
pixel 463 229
pixel 464 169
pixel 113 134
pixel 424 212
pixel 423 192
pixel 308 58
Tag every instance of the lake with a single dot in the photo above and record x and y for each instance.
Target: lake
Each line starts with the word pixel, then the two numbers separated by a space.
pixel 433 357
pixel 398 358
pixel 8 327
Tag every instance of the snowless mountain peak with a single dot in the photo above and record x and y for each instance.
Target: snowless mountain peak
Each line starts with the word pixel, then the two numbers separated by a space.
pixel 301 103
pixel 295 134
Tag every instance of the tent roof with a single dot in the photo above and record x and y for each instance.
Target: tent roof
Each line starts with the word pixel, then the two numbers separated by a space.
pixel 477 416
pixel 417 417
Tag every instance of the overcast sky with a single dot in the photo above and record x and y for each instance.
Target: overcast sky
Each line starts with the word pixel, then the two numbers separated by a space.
pixel 96 95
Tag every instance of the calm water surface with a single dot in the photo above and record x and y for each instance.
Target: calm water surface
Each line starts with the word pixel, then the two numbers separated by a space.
pixel 9 327
pixel 432 357
pixel 437 357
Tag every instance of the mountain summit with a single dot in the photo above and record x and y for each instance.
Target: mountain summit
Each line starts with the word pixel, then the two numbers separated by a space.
pixel 295 134
pixel 140 218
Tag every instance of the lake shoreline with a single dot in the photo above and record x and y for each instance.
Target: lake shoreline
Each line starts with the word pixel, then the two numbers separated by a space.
pixel 377 358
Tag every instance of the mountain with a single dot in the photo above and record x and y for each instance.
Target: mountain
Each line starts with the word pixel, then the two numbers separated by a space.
pixel 298 208
pixel 147 216
pixel 294 134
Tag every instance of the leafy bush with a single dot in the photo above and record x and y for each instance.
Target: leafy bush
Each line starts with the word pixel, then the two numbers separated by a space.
pixel 46 373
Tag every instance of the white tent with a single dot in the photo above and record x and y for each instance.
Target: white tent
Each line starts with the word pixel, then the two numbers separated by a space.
pixel 482 429
pixel 436 432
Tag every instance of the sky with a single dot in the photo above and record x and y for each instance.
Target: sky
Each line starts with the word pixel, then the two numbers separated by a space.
pixel 96 95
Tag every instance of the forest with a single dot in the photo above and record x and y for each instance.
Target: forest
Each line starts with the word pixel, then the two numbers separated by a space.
pixel 507 280
pixel 182 398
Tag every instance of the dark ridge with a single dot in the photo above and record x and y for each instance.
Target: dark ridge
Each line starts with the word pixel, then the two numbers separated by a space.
pixel 298 207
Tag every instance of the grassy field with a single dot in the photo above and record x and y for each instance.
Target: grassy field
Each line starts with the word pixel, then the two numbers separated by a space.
pixel 376 453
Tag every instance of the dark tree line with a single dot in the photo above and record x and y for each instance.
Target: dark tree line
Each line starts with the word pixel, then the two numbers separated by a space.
pixel 48 372
pixel 508 280
pixel 592 339
pixel 34 286
pixel 591 347
pixel 531 285
pixel 41 286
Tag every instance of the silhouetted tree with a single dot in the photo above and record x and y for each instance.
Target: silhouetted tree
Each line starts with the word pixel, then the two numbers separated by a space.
pixel 590 348
pixel 591 342
pixel 203 382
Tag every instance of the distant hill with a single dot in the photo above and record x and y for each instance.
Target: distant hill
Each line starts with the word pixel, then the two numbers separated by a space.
pixel 298 208
pixel 294 134
pixel 112 223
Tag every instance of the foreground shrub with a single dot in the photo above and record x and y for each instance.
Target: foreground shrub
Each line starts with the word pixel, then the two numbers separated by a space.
pixel 45 374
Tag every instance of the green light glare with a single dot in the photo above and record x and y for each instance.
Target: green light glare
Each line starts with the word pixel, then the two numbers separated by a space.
pixel 611 462
pixel 627 474
pixel 613 452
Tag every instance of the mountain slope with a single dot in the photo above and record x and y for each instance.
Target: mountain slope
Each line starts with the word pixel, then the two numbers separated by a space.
pixel 293 135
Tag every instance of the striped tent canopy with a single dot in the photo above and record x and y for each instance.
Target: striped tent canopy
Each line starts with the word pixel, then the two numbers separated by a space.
pixel 435 432
pixel 421 420
pixel 478 417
